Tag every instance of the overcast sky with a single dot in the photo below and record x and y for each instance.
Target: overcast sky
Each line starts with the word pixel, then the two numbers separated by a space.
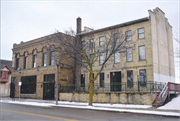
pixel 24 20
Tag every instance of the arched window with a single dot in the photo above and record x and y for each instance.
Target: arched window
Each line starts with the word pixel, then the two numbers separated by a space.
pixel 44 57
pixel 17 61
pixel 25 60
pixel 34 58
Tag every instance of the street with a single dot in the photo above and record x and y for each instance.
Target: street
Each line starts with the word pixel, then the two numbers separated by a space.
pixel 29 113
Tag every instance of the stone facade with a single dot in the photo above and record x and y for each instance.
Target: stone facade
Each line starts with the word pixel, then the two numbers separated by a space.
pixel 38 47
pixel 158 43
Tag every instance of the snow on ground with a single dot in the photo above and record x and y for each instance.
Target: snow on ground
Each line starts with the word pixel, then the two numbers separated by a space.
pixel 174 104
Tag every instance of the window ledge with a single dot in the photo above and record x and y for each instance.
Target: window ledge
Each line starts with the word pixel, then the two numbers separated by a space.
pixel 129 61
pixel 27 94
pixel 142 60
pixel 141 38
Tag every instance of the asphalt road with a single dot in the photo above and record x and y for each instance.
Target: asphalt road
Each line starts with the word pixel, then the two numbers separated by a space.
pixel 14 112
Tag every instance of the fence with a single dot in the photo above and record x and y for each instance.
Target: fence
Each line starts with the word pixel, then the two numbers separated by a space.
pixel 148 86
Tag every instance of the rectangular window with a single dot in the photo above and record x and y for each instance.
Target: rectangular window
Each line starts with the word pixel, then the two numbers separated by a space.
pixel 52 58
pixel 25 62
pixel 141 33
pixel 34 61
pixel 17 64
pixel 117 57
pixel 142 53
pixel 82 45
pixel 128 35
pixel 101 79
pixel 142 74
pixel 28 85
pixel 91 44
pixel 13 57
pixel 4 75
pixel 116 38
pixel 101 41
pixel 101 58
pixel 44 59
pixel 130 78
pixel 82 60
pixel 129 54
pixel 82 80
pixel 1 74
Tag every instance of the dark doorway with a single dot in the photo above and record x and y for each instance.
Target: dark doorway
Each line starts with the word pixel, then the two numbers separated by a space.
pixel 48 87
pixel 115 81
pixel 12 90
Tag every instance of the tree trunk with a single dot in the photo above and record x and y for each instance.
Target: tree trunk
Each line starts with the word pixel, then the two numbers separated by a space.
pixel 91 89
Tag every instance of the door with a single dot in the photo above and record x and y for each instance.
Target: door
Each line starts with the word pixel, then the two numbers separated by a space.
pixel 48 87
pixel 115 81
pixel 12 89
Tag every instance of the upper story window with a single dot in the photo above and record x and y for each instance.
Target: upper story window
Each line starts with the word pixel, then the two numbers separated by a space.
pixel 17 64
pixel 83 60
pixel 117 57
pixel 129 54
pixel 4 75
pixel 52 58
pixel 128 35
pixel 141 33
pixel 82 45
pixel 101 41
pixel 101 58
pixel 44 59
pixel 91 57
pixel 91 44
pixel 25 62
pixel 142 53
pixel 34 61
pixel 116 38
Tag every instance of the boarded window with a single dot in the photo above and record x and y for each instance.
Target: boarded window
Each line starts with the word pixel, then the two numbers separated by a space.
pixel 129 54
pixel 142 53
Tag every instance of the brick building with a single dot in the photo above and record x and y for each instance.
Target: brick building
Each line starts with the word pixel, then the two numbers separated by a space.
pixel 34 64
pixel 5 77
pixel 148 56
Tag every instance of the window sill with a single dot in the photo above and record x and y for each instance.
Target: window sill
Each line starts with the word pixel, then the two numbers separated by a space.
pixel 143 60
pixel 140 38
pixel 27 94
pixel 129 61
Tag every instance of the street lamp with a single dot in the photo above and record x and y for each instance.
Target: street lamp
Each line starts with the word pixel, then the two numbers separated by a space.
pixel 57 64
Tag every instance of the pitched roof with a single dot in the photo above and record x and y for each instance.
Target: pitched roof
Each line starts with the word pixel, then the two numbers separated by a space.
pixel 5 62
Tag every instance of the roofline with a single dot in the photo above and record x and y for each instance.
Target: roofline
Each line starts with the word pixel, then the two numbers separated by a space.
pixel 118 25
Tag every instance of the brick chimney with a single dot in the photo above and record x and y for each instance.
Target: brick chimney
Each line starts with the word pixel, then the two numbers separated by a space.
pixel 78 25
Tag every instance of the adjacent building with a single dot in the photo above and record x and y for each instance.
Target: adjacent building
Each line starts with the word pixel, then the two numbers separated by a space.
pixel 148 55
pixel 34 63
pixel 5 77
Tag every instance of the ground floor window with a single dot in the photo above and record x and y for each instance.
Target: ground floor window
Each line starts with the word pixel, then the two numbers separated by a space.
pixel 130 78
pixel 142 74
pixel 101 78
pixel 82 80
pixel 28 85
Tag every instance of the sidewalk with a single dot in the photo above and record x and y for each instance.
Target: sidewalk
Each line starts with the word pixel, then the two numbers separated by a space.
pixel 138 109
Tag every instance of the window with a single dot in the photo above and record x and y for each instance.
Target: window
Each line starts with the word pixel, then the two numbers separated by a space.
pixel 44 59
pixel 17 64
pixel 141 33
pixel 128 35
pixel 1 74
pixel 142 74
pixel 13 57
pixel 82 80
pixel 4 75
pixel 117 57
pixel 116 38
pixel 34 61
pixel 101 78
pixel 101 41
pixel 83 60
pixel 101 58
pixel 129 54
pixel 91 56
pixel 82 45
pixel 25 62
pixel 52 58
pixel 28 85
pixel 130 78
pixel 142 53
pixel 91 44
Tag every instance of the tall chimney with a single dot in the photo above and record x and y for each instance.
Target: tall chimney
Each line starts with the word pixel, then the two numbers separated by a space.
pixel 78 25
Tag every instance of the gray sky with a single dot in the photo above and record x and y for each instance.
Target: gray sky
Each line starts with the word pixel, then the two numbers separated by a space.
pixel 27 20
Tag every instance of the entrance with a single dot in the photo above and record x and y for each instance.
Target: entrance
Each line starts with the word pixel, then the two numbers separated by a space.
pixel 12 90
pixel 115 81
pixel 48 87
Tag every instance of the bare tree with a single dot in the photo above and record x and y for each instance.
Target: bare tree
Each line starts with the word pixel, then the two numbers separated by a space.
pixel 88 52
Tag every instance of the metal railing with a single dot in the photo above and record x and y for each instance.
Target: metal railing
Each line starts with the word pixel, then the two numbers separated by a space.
pixel 148 86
